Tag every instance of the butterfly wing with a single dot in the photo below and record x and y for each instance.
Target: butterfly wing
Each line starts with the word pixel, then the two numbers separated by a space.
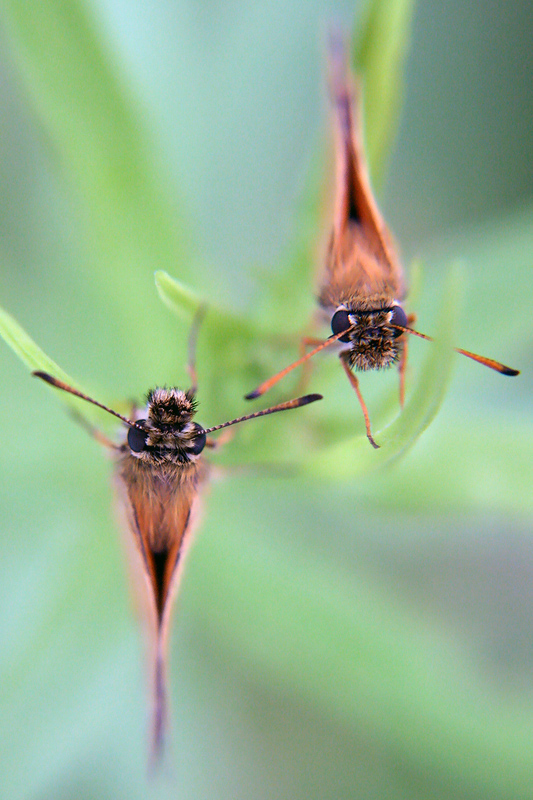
pixel 161 510
pixel 361 261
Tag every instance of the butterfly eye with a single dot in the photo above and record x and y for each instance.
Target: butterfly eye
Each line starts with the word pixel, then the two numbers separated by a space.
pixel 137 438
pixel 398 317
pixel 340 321
pixel 198 443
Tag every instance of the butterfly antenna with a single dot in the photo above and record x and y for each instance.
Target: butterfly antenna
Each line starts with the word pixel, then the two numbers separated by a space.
pixel 264 387
pixel 70 389
pixel 191 346
pixel 487 362
pixel 299 401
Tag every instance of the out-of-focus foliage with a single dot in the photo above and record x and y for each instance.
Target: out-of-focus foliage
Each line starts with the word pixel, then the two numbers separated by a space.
pixel 343 630
pixel 108 159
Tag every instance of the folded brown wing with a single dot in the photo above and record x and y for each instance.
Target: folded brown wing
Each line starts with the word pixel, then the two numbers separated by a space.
pixel 361 259
pixel 161 511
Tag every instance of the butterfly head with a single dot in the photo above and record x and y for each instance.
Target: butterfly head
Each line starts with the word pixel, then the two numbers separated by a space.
pixel 374 343
pixel 168 433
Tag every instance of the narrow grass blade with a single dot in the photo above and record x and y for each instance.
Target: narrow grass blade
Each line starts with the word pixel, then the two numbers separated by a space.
pixel 36 359
pixel 380 53
pixel 99 133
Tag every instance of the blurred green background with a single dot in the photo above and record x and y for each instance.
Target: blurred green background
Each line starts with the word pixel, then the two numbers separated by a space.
pixel 347 638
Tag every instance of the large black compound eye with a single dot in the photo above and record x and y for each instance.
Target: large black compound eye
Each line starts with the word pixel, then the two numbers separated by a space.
pixel 398 317
pixel 137 438
pixel 198 443
pixel 340 321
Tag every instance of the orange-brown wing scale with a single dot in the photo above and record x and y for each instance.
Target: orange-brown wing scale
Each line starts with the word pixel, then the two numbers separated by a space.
pixel 161 506
pixel 361 263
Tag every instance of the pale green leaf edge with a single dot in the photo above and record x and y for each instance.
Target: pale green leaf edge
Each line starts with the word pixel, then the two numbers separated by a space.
pixel 36 359
pixel 184 302
pixel 380 48
pixel 26 349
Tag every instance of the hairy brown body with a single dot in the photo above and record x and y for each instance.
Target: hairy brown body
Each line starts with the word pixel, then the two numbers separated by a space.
pixel 356 274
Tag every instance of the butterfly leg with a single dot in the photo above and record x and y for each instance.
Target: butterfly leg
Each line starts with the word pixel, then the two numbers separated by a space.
pixel 411 319
pixel 223 439
pixel 355 385
pixel 100 437
pixel 309 341
pixel 305 343
pixel 191 347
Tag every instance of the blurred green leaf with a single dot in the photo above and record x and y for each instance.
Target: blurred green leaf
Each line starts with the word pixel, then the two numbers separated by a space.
pixel 26 349
pixel 348 650
pixel 380 49
pixel 36 359
pixel 178 297
pixel 99 133
pixel 184 302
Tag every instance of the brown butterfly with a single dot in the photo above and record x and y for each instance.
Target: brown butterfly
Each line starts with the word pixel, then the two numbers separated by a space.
pixel 161 471
pixel 362 287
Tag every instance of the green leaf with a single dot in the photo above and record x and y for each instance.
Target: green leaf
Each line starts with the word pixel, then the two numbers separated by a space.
pixel 99 133
pixel 184 302
pixel 36 359
pixel 26 349
pixel 178 297
pixel 380 50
